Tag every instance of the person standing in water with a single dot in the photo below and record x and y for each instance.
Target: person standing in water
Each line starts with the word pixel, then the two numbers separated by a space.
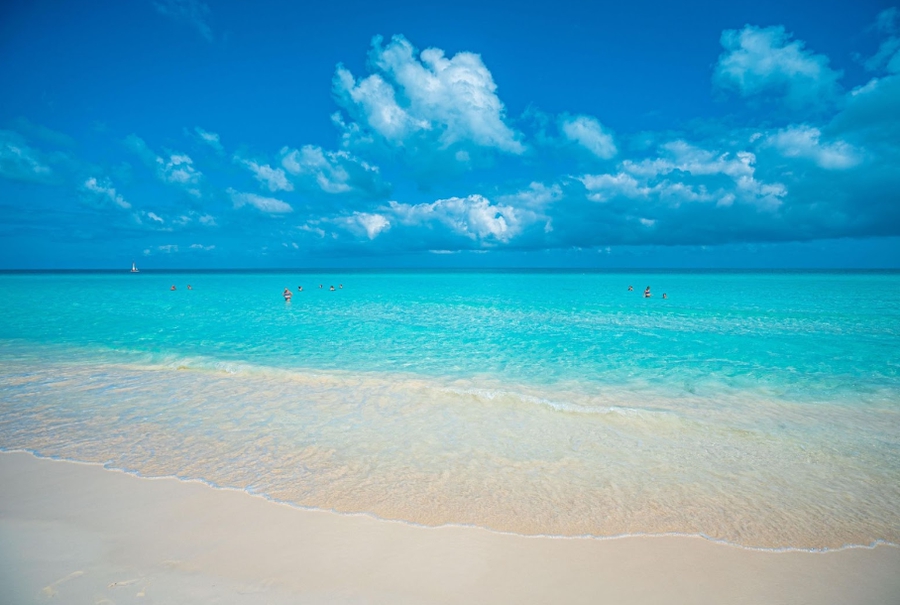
pixel 647 292
pixel 173 288
pixel 287 295
pixel 631 288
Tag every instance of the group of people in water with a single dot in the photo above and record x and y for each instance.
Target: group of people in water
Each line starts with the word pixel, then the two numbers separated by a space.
pixel 287 294
pixel 647 293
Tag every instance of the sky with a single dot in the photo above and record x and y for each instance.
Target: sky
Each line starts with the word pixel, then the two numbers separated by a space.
pixel 216 134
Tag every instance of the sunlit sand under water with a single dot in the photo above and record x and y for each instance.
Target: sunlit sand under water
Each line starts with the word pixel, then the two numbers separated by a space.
pixel 570 461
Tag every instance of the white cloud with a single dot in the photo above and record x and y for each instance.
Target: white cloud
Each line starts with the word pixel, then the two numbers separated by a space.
pixel 208 220
pixel 176 169
pixel 449 101
pixel 804 142
pixel 202 247
pixel 154 217
pixel 537 195
pixel 105 190
pixel 18 161
pixel 682 156
pixel 210 138
pixel 473 216
pixel 603 187
pixel 191 12
pixel 687 173
pixel 590 134
pixel 331 171
pixel 269 205
pixel 312 228
pixel 888 55
pixel 765 60
pixel 273 178
pixel 866 88
pixel 365 223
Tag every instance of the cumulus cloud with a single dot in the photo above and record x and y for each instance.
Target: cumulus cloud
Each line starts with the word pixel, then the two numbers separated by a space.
pixel 173 168
pixel 426 100
pixel 589 133
pixel 473 216
pixel 178 169
pixel 536 195
pixel 268 205
pixel 273 178
pixel 765 61
pixel 804 141
pixel 365 223
pixel 20 162
pixel 104 190
pixel 203 248
pixel 332 171
pixel 682 172
pixel 603 187
pixel 190 12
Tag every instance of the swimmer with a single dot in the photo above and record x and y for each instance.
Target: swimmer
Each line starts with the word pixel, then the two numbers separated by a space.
pixel 664 296
pixel 189 287
pixel 299 288
pixel 287 295
pixel 647 292
pixel 331 288
pixel 340 286
pixel 320 286
pixel 631 288
pixel 173 288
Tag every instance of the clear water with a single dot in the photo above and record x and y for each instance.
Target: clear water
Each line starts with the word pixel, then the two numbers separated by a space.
pixel 758 408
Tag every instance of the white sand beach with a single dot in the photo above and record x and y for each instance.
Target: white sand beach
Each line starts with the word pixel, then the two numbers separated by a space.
pixel 78 533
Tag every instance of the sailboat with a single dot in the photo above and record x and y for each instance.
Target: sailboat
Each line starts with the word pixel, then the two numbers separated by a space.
pixel 134 268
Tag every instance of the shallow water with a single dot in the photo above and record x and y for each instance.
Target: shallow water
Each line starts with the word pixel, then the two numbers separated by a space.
pixel 758 408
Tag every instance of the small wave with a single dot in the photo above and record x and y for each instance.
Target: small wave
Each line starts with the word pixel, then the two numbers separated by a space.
pixel 624 536
pixel 559 406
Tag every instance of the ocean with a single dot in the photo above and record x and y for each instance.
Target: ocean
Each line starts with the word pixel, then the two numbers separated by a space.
pixel 760 409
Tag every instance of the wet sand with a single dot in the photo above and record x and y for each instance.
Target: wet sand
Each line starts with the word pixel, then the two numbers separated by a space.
pixel 78 533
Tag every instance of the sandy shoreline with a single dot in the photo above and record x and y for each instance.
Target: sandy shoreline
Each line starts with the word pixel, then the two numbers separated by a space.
pixel 78 533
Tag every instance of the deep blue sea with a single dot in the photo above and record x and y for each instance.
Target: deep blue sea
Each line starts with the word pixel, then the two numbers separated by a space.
pixel 758 408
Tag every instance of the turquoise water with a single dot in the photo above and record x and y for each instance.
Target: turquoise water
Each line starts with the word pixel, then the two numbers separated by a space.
pixel 757 408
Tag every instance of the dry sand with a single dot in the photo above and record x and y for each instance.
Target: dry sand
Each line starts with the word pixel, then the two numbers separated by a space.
pixel 76 533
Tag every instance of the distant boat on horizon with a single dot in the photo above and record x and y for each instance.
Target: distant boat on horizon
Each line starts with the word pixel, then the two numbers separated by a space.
pixel 134 268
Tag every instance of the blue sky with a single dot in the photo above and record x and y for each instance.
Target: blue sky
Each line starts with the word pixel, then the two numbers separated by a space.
pixel 181 133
